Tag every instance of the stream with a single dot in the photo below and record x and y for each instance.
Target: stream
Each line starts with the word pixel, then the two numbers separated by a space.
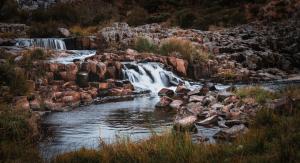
pixel 137 119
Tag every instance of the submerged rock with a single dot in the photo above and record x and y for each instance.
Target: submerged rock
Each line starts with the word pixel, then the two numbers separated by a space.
pixel 231 133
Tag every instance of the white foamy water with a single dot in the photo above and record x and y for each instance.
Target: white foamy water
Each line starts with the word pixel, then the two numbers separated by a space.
pixel 48 43
pixel 151 76
pixel 75 55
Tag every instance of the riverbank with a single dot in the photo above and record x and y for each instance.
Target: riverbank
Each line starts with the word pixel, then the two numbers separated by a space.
pixel 272 136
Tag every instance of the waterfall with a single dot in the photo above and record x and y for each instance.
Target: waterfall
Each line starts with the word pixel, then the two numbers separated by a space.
pixel 150 76
pixel 49 43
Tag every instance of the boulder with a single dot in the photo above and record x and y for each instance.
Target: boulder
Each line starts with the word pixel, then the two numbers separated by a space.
pixel 213 120
pixel 176 104
pixel 86 98
pixel 179 65
pixel 223 95
pixel 166 92
pixel 21 102
pixel 164 102
pixel 195 98
pixel 64 32
pixel 231 133
pixel 182 90
pixel 186 124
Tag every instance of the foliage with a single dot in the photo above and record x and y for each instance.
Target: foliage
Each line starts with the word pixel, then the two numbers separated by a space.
pixel 16 136
pixel 260 94
pixel 185 48
pixel 143 44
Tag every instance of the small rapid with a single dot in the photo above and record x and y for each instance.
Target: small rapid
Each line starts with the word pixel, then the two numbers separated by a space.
pixel 151 76
pixel 47 43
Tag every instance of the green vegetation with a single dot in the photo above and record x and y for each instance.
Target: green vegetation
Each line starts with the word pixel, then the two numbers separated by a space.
pixel 173 46
pixel 15 74
pixel 17 136
pixel 143 44
pixel 272 137
pixel 260 94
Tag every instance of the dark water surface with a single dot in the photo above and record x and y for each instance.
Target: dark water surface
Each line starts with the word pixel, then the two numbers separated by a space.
pixel 84 126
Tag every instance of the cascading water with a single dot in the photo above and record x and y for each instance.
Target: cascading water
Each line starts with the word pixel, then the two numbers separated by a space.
pixel 150 76
pixel 49 43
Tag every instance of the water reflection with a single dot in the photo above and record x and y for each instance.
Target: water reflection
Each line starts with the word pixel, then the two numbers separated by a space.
pixel 84 126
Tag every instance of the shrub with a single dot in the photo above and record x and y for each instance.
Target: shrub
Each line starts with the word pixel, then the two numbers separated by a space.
pixel 143 44
pixel 184 48
pixel 14 78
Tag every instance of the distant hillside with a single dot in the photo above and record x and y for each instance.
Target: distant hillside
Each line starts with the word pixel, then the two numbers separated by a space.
pixel 199 14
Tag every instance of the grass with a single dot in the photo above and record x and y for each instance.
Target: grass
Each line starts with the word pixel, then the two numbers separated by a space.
pixel 173 46
pixel 17 139
pixel 143 44
pixel 272 137
pixel 260 94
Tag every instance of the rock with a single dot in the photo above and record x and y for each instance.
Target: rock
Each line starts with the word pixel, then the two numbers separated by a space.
pixel 211 86
pixel 231 123
pixel 86 98
pixel 186 124
pixel 194 108
pixel 213 120
pixel 194 92
pixel 166 92
pixel 176 104
pixel 164 102
pixel 223 95
pixel 195 98
pixel 217 106
pixel 231 133
pixel 101 70
pixel 21 102
pixel 103 86
pixel 50 105
pixel 182 90
pixel 208 100
pixel 82 79
pixel 35 104
pixel 64 32
pixel 180 65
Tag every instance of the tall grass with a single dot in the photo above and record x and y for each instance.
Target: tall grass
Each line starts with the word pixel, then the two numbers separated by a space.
pixel 17 140
pixel 143 44
pixel 260 94
pixel 172 46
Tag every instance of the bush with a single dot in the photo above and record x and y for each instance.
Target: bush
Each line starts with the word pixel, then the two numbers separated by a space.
pixel 143 44
pixel 185 49
pixel 14 78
